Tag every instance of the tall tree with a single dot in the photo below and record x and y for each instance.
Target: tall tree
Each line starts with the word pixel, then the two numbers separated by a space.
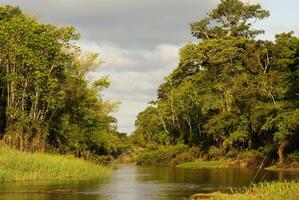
pixel 231 91
pixel 46 101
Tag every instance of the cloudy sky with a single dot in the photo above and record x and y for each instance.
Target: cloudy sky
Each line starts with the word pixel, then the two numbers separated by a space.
pixel 139 39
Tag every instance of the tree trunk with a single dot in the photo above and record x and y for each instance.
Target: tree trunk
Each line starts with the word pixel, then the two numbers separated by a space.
pixel 281 152
pixel 3 106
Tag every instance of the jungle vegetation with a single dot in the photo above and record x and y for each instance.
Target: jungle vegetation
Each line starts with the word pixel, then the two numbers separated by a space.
pixel 232 94
pixel 231 91
pixel 46 102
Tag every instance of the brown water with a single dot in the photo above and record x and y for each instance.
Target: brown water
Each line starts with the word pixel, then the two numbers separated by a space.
pixel 130 182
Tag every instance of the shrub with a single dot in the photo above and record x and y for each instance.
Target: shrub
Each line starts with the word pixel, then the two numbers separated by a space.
pixel 161 155
pixel 232 154
pixel 215 153
pixel 250 158
pixel 250 155
pixel 187 156
pixel 294 157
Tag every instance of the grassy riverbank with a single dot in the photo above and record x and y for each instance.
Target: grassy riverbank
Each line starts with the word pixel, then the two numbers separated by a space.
pixel 289 165
pixel 22 166
pixel 204 164
pixel 263 191
pixel 186 157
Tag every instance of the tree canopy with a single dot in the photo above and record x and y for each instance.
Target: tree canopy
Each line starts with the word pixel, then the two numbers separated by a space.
pixel 230 91
pixel 46 102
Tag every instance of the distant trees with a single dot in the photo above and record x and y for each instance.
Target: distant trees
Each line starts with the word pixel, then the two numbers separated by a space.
pixel 230 90
pixel 45 101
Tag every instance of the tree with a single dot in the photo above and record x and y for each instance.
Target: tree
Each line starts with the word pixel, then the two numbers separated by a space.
pixel 230 18
pixel 46 102
pixel 34 58
pixel 231 91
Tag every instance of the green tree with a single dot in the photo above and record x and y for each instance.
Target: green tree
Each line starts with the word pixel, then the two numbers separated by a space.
pixel 230 18
pixel 231 91
pixel 46 102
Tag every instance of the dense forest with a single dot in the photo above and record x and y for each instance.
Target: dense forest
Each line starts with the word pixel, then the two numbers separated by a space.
pixel 46 102
pixel 231 103
pixel 231 91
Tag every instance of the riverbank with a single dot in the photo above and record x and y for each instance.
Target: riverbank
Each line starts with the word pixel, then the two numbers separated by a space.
pixel 22 166
pixel 186 157
pixel 183 156
pixel 205 164
pixel 287 166
pixel 263 191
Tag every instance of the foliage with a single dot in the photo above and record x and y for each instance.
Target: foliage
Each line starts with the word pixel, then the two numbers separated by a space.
pixel 294 156
pixel 187 156
pixel 230 92
pixel 230 18
pixel 215 153
pixel 250 154
pixel 46 102
pixel 160 155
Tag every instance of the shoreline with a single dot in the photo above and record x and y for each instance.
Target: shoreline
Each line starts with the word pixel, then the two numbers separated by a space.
pixel 265 191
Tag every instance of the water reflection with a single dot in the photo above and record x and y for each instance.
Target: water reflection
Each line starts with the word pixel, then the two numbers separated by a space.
pixel 130 182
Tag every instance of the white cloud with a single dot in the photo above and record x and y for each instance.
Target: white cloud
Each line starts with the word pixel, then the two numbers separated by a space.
pixel 134 74
pixel 131 23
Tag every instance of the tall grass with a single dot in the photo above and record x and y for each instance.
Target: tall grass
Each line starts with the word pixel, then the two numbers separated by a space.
pixel 22 166
pixel 262 191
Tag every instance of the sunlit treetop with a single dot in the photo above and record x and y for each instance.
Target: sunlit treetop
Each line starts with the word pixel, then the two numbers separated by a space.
pixel 230 18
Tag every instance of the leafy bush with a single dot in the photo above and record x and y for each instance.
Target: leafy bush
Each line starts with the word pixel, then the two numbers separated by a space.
pixel 294 157
pixel 232 154
pixel 215 153
pixel 187 156
pixel 250 159
pixel 102 160
pixel 250 155
pixel 160 155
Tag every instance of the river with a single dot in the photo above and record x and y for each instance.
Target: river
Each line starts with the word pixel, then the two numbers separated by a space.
pixel 130 182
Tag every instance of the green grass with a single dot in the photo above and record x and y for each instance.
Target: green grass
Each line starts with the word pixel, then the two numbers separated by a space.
pixel 204 165
pixel 283 167
pixel 263 191
pixel 22 166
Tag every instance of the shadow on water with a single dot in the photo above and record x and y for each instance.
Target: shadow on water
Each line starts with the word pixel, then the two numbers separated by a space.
pixel 131 182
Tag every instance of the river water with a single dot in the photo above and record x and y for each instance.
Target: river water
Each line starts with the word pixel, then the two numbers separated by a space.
pixel 130 182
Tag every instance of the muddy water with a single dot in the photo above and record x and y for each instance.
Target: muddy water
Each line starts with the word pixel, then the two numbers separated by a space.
pixel 130 182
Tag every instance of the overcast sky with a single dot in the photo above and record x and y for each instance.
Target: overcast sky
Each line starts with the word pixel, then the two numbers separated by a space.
pixel 140 39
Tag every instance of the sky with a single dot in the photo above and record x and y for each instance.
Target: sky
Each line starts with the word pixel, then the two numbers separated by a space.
pixel 139 40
